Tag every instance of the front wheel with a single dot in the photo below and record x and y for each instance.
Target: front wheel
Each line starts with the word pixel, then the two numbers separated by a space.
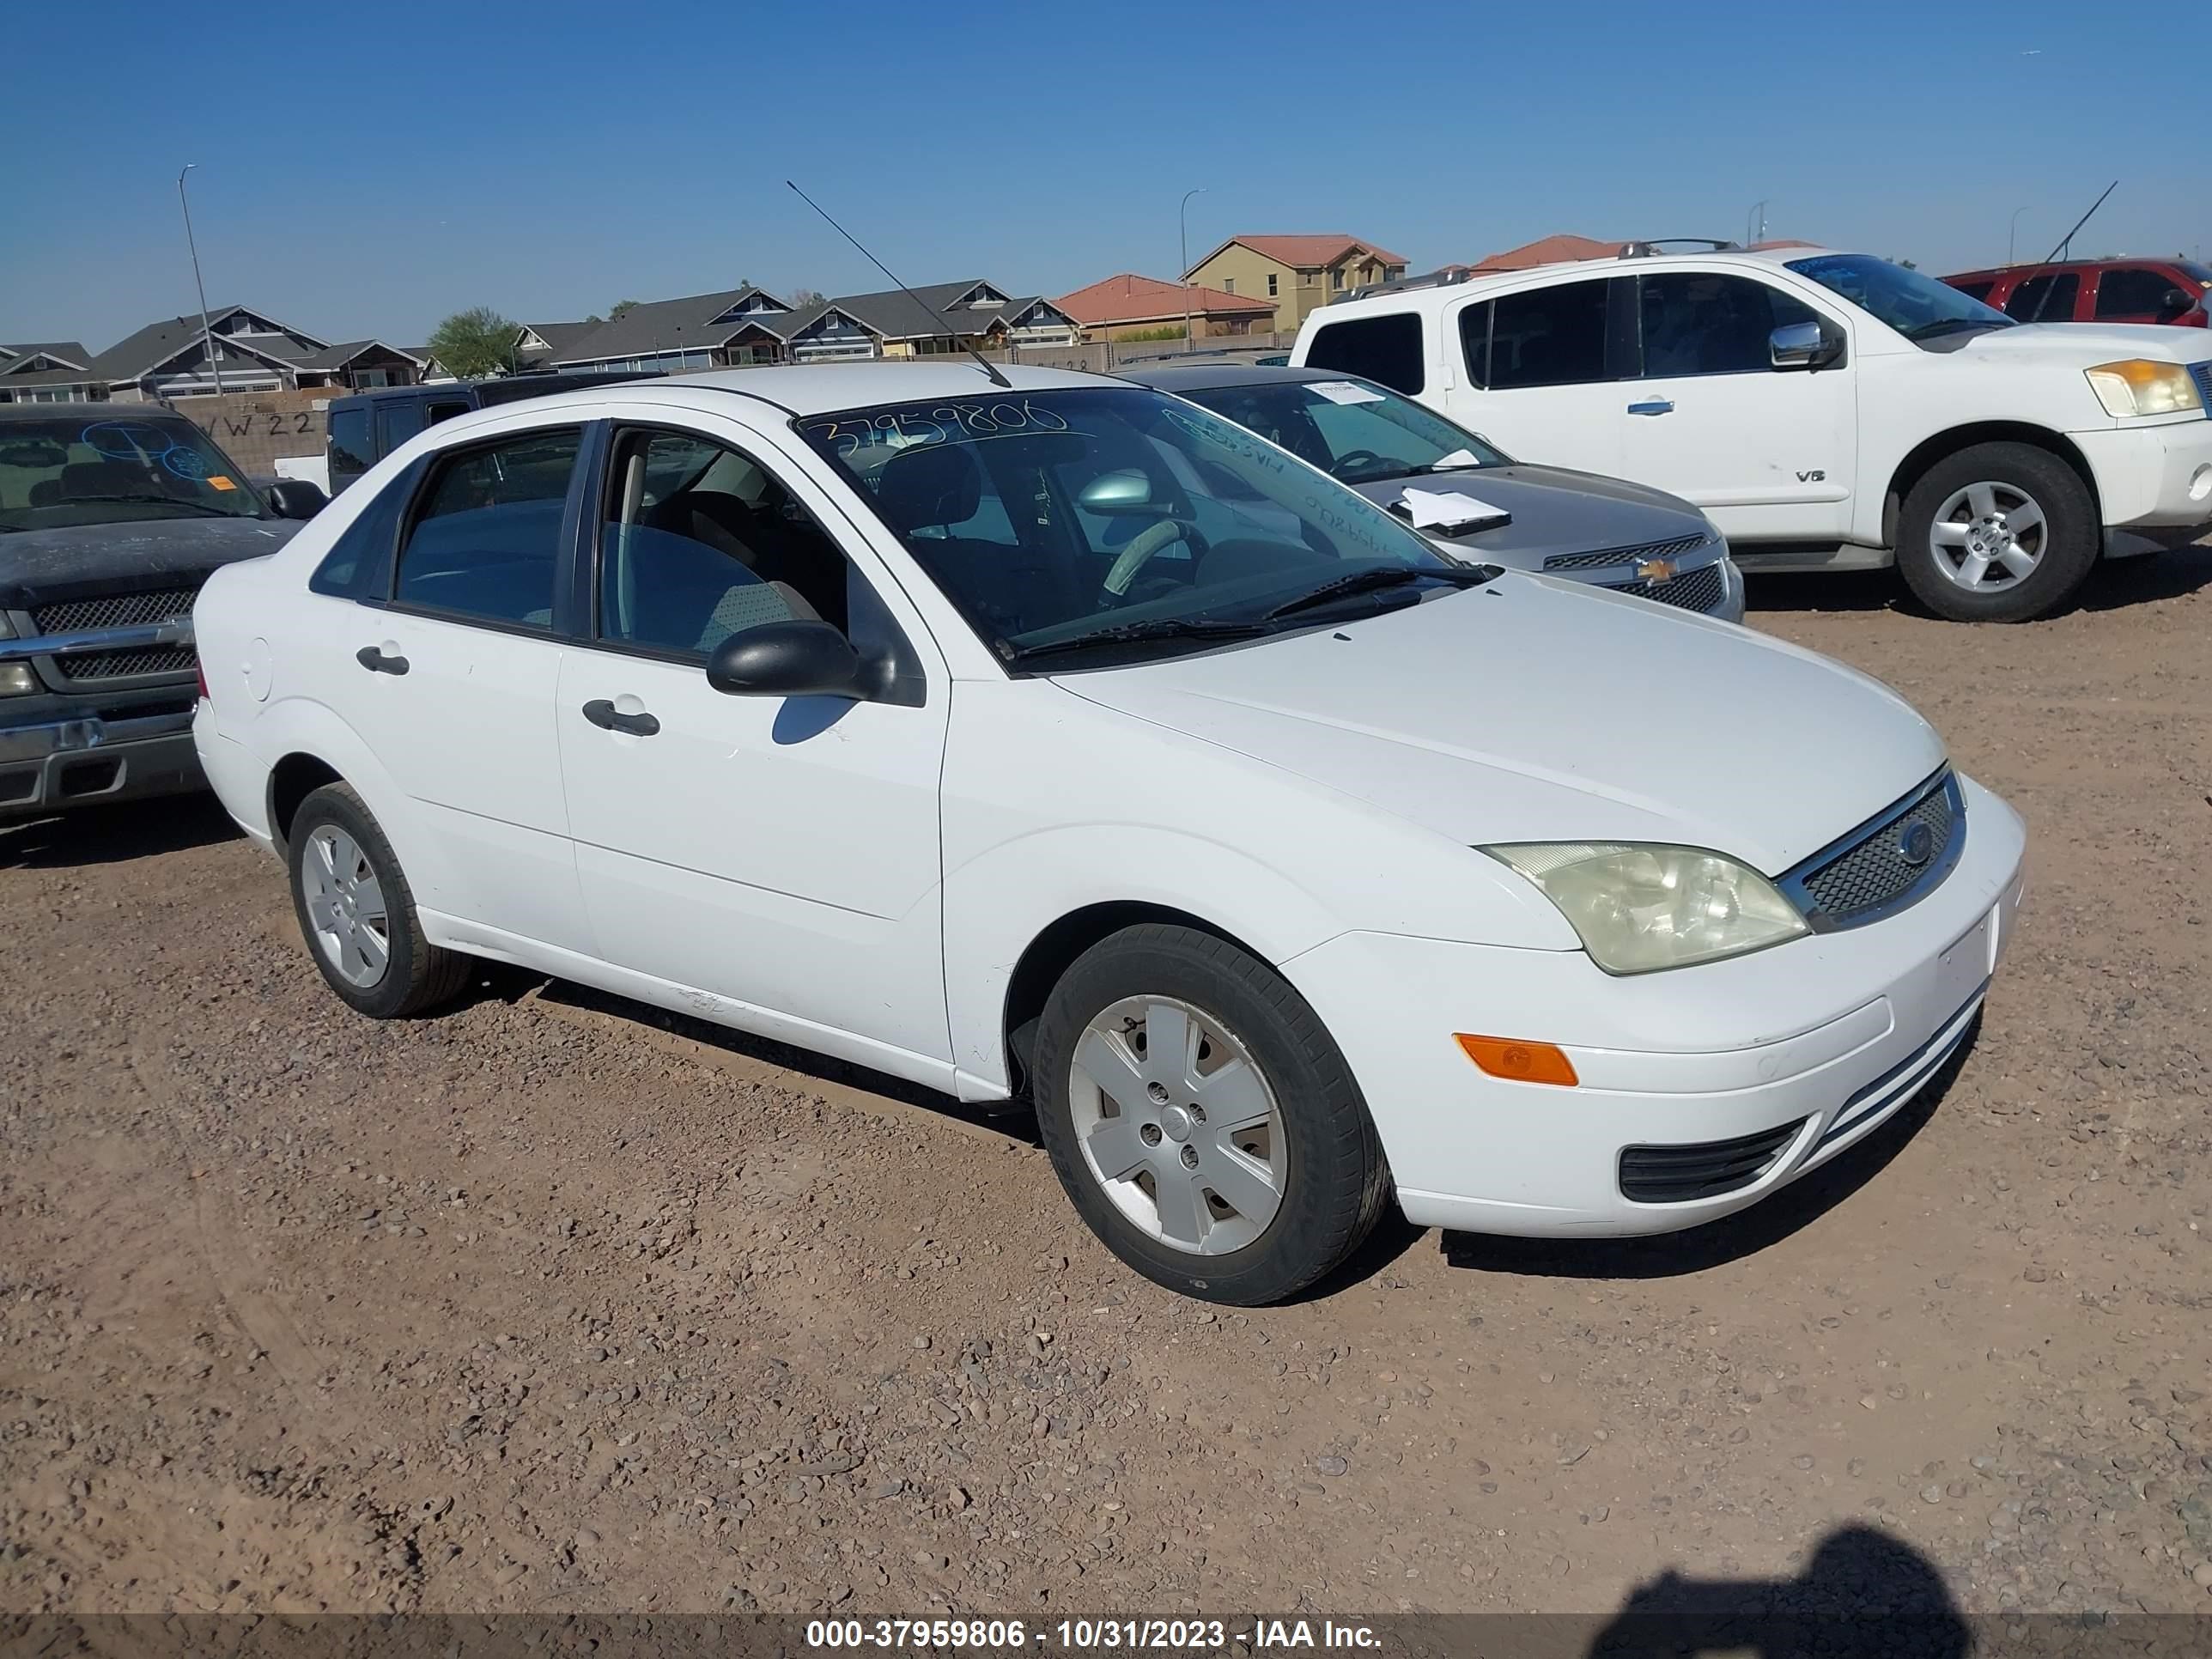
pixel 1201 1120
pixel 1998 532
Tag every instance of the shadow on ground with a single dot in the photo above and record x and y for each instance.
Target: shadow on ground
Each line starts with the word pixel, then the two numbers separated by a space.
pixel 114 834
pixel 2115 584
pixel 1731 1238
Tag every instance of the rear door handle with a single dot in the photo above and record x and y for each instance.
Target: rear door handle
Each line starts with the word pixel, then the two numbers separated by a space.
pixel 372 659
pixel 604 715
pixel 1652 406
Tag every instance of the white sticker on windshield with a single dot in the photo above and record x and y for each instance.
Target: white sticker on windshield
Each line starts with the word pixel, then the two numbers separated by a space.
pixel 1343 391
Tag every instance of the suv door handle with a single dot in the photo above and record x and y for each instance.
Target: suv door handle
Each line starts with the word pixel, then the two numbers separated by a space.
pixel 604 715
pixel 1652 406
pixel 372 659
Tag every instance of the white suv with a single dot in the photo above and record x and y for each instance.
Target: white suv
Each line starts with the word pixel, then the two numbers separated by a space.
pixel 1829 411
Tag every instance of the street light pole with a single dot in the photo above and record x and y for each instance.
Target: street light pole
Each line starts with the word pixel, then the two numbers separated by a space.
pixel 2012 233
pixel 1754 224
pixel 207 334
pixel 1182 227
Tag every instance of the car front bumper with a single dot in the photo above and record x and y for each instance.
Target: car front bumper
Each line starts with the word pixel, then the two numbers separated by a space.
pixel 1804 1049
pixel 2154 477
pixel 60 763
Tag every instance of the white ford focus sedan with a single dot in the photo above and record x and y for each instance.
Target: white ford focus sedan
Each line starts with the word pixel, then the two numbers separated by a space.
pixel 1058 738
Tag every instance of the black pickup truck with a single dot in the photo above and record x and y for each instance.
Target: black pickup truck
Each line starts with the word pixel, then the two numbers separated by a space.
pixel 369 425
pixel 111 517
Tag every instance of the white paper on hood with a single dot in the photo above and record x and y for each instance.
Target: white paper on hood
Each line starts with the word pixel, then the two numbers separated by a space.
pixel 1434 509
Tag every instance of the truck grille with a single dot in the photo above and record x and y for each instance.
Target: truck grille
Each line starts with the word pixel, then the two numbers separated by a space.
pixel 2202 373
pixel 1877 872
pixel 137 659
pixel 1703 1169
pixel 115 610
pixel 1700 590
pixel 1672 549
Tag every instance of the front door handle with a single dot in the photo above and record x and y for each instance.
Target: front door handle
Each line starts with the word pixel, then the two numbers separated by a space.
pixel 1652 406
pixel 372 658
pixel 604 715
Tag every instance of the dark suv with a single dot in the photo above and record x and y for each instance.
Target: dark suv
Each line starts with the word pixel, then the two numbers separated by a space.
pixel 364 429
pixel 2094 291
pixel 111 517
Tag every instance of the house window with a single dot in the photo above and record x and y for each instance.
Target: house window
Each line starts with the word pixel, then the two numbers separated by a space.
pixel 1307 279
pixel 1272 285
pixel 1229 285
pixel 1336 277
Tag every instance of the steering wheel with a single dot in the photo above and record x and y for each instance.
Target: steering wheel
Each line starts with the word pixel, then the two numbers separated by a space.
pixel 1354 460
pixel 1114 589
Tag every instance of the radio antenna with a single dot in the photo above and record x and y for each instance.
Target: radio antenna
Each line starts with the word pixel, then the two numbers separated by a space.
pixel 982 361
pixel 2051 277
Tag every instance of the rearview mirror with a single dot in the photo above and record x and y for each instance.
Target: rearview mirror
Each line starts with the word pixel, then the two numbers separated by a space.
pixel 1129 491
pixel 786 660
pixel 1801 345
pixel 295 498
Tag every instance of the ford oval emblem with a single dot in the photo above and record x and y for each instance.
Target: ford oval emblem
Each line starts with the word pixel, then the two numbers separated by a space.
pixel 1916 843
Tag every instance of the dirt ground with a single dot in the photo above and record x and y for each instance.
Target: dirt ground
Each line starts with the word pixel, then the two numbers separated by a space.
pixel 526 1307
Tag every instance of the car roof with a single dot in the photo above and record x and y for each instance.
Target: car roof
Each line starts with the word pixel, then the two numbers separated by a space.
pixel 811 388
pixel 1421 297
pixel 1201 377
pixel 79 411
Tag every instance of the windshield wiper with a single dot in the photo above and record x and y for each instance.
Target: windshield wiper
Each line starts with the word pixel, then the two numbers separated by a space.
pixel 156 500
pixel 1157 627
pixel 1378 577
pixel 1951 325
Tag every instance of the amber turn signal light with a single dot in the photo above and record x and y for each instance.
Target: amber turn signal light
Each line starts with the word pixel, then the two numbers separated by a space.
pixel 1518 1062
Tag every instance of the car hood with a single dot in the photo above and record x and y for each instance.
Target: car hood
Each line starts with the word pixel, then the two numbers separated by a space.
pixel 1537 709
pixel 2091 343
pixel 1555 510
pixel 38 567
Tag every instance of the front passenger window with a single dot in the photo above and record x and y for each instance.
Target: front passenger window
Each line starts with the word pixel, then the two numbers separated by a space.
pixel 1704 323
pixel 484 540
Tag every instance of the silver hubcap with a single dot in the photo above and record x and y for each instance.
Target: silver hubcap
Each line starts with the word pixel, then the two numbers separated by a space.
pixel 345 906
pixel 1178 1125
pixel 1989 537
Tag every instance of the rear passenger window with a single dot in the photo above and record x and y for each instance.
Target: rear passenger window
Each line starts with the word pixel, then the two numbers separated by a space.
pixel 2028 301
pixel 484 541
pixel 1385 349
pixel 350 454
pixel 2137 294
pixel 1549 336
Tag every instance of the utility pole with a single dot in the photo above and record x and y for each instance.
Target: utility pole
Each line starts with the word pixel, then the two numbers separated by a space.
pixel 207 334
pixel 1182 225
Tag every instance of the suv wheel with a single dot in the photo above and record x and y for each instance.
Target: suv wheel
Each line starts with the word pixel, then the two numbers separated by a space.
pixel 1201 1120
pixel 357 913
pixel 1999 532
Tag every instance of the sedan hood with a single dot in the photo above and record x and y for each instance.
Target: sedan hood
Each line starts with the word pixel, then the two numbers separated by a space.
pixel 1537 709
pixel 2091 343
pixel 1555 510
pixel 38 567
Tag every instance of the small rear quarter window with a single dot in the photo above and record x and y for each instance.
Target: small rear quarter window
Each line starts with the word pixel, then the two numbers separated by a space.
pixel 1386 349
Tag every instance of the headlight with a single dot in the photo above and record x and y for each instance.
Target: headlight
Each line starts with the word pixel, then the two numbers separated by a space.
pixel 2140 386
pixel 1640 907
pixel 16 679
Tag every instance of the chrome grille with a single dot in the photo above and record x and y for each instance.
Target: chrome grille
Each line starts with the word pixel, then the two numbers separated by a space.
pixel 1672 549
pixel 115 610
pixel 1700 590
pixel 138 660
pixel 1872 875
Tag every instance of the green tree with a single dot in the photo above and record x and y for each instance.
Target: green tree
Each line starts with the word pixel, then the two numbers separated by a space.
pixel 475 342
pixel 805 297
pixel 619 308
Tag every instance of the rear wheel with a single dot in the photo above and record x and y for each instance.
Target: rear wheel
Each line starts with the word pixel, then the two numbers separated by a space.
pixel 357 913
pixel 1201 1120
pixel 1998 532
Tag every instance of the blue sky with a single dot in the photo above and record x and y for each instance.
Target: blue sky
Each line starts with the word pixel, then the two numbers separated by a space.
pixel 404 160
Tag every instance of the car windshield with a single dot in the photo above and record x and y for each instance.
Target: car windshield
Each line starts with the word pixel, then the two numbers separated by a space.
pixel 1350 430
pixel 1119 520
pixel 1918 308
pixel 65 470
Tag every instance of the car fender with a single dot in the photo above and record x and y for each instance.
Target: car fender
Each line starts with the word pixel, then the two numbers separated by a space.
pixel 305 725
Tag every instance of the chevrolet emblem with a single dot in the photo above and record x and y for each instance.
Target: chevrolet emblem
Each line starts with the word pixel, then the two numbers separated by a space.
pixel 1656 570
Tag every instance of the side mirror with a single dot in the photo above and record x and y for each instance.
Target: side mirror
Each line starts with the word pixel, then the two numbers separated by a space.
pixel 295 498
pixel 2173 302
pixel 1801 345
pixel 786 660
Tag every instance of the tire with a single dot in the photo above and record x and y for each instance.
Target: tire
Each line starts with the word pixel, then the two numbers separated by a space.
pixel 333 900
pixel 1259 1047
pixel 2060 549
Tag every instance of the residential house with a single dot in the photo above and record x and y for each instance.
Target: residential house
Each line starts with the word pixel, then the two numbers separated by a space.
pixel 1126 304
pixel 1297 274
pixel 358 365
pixel 699 331
pixel 253 351
pixel 540 345
pixel 48 371
pixel 892 323
pixel 1554 250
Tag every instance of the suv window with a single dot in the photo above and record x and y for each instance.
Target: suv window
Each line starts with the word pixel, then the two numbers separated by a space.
pixel 698 542
pixel 1978 288
pixel 484 540
pixel 1549 336
pixel 2027 299
pixel 1475 341
pixel 350 454
pixel 2138 292
pixel 1705 323
pixel 1386 349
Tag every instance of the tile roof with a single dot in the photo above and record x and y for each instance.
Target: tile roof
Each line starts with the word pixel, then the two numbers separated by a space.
pixel 1548 250
pixel 1129 298
pixel 1325 249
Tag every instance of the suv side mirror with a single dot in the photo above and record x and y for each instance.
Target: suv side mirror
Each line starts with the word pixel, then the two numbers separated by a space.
pixel 295 498
pixel 2173 302
pixel 787 660
pixel 1801 345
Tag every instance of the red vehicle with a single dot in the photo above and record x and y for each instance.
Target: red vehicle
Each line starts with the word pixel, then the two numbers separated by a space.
pixel 2095 290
